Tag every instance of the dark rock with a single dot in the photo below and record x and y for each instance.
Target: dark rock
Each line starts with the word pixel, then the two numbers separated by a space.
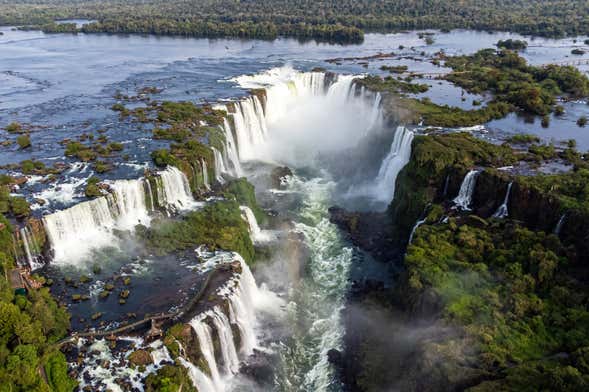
pixel 278 175
pixel 335 357
pixel 259 367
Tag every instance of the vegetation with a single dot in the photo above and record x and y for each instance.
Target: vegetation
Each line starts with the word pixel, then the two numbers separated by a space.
pixel 244 193
pixel 218 226
pixel 14 127
pixel 169 379
pixel 391 84
pixel 334 20
pixel 23 141
pixel 513 295
pixel 497 305
pixel 511 80
pixel 512 44
pixel 28 327
pixel 92 189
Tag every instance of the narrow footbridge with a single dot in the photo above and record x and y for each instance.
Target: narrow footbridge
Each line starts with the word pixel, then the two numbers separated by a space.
pixel 154 321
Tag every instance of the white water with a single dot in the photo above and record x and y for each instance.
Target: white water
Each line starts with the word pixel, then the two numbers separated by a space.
pixel 292 126
pixel 76 231
pixel 220 168
pixel 417 224
pixel 256 233
pixel 205 174
pixel 31 248
pixel 560 224
pixel 243 297
pixel 464 198
pixel 398 157
pixel 382 188
pixel 231 149
pixel 304 118
pixel 176 190
pixel 105 378
pixel 502 211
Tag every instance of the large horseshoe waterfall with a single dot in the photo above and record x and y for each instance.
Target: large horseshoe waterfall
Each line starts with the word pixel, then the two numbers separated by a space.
pixel 292 119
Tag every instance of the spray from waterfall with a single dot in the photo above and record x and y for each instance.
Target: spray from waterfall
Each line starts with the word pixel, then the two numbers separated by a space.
pixel 464 198
pixel 398 156
pixel 240 294
pixel 75 231
pixel 205 174
pixel 31 248
pixel 502 211
pixel 257 234
pixel 231 149
pixel 220 168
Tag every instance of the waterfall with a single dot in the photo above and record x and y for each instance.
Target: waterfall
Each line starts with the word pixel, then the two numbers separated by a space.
pixel 205 341
pixel 240 293
pixel 250 127
pixel 31 248
pixel 205 174
pixel 282 87
pixel 397 158
pixel 446 183
pixel 464 198
pixel 257 234
pixel 73 232
pixel 250 218
pixel 219 166
pixel 231 149
pixel 175 189
pixel 375 113
pixel 227 342
pixel 502 211
pixel 200 380
pixel 559 224
pixel 417 224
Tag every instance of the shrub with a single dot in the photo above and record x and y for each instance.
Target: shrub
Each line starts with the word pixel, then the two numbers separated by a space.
pixel 24 141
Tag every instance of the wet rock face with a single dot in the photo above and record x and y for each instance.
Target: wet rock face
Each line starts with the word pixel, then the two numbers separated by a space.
pixel 369 231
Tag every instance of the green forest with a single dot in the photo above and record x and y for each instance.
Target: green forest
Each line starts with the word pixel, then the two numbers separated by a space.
pixel 333 20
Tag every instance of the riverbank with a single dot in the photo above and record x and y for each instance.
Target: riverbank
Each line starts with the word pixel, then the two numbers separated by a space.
pixel 475 305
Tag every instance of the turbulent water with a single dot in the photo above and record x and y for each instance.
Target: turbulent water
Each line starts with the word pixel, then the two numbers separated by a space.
pixel 464 198
pixel 292 124
pixel 76 231
pixel 503 211
pixel 316 303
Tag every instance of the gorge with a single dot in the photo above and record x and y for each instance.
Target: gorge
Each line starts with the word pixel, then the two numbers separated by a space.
pixel 289 227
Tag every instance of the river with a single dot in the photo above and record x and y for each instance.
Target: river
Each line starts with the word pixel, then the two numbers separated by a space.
pixel 64 85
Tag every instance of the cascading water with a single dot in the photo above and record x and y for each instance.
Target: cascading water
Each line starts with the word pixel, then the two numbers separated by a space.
pixel 75 231
pixel 205 174
pixel 219 165
pixel 31 248
pixel 304 116
pixel 502 211
pixel 414 229
pixel 231 149
pixel 559 224
pixel 241 294
pixel 394 162
pixel 175 190
pixel 464 198
pixel 257 234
